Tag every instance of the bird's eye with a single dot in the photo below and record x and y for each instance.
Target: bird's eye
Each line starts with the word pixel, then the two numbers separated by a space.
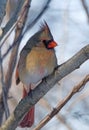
pixel 44 41
pixel 47 41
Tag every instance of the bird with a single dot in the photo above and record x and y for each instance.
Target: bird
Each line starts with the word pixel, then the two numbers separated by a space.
pixel 34 64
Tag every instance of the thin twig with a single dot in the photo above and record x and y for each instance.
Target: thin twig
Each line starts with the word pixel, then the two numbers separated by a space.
pixel 59 117
pixel 62 103
pixel 7 35
pixel 6 108
pixel 79 99
pixel 86 8
pixel 44 9
pixel 11 47
pixel 13 19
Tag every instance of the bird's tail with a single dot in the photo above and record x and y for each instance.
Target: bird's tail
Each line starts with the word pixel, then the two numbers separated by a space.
pixel 28 120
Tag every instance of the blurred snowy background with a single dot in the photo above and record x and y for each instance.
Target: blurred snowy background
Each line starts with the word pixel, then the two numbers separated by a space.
pixel 69 24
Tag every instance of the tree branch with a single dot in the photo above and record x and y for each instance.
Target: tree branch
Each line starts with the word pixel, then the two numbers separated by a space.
pixel 4 97
pixel 44 9
pixel 13 19
pixel 47 83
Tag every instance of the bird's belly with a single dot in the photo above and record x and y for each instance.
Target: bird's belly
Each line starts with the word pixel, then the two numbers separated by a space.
pixel 33 76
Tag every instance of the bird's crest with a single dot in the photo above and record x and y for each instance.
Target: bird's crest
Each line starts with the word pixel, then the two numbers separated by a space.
pixel 44 26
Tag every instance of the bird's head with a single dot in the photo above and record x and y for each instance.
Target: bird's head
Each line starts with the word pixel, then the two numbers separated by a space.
pixel 46 37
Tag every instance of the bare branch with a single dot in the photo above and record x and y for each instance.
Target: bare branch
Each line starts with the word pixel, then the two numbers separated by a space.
pixel 44 9
pixel 11 47
pixel 78 99
pixel 13 19
pixel 4 98
pixel 60 117
pixel 59 73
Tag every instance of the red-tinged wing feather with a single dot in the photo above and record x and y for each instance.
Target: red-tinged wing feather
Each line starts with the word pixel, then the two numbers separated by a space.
pixel 28 120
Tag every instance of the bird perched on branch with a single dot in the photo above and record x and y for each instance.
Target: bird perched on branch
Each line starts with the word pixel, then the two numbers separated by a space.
pixel 35 64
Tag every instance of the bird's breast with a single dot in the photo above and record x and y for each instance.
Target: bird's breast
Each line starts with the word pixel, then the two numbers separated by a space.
pixel 39 63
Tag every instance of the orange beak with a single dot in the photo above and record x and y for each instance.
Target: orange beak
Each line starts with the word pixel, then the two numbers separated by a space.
pixel 52 44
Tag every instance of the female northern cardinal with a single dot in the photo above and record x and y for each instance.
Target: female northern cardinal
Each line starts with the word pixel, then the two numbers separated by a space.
pixel 36 64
